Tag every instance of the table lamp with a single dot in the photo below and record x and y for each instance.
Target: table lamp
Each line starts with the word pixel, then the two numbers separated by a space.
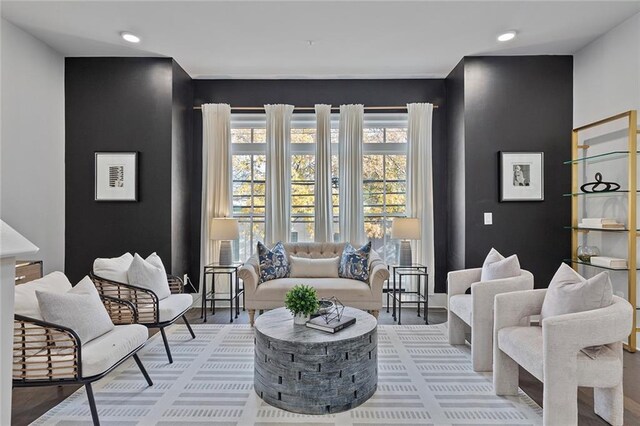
pixel 405 229
pixel 225 230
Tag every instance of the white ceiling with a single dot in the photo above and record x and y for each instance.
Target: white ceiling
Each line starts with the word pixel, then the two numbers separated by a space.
pixel 352 39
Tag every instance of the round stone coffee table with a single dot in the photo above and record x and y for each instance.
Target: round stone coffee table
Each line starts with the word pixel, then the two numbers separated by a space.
pixel 309 371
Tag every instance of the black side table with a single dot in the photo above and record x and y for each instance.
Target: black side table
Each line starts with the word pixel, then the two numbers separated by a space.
pixel 401 296
pixel 231 271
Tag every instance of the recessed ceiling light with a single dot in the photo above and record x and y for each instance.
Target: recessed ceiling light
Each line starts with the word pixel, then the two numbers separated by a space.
pixel 131 38
pixel 509 35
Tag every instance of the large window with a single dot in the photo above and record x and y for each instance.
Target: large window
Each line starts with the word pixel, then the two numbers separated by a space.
pixel 384 179
pixel 384 176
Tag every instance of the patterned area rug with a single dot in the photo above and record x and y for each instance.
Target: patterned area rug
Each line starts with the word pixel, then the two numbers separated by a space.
pixel 422 381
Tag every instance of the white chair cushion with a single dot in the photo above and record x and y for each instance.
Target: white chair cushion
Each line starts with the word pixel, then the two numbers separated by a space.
pixel 524 345
pixel 173 306
pixel 496 267
pixel 98 356
pixel 313 268
pixel 462 306
pixel 149 274
pixel 102 353
pixel 26 303
pixel 114 268
pixel 79 309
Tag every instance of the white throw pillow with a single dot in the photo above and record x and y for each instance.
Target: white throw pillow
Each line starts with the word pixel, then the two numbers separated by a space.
pixel 79 309
pixel 114 268
pixel 496 267
pixel 570 293
pixel 302 267
pixel 26 302
pixel 149 274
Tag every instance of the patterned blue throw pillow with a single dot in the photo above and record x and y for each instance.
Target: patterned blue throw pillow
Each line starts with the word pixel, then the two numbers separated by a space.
pixel 274 263
pixel 354 264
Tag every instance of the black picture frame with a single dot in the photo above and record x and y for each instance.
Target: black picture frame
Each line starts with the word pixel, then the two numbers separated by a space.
pixel 116 176
pixel 521 176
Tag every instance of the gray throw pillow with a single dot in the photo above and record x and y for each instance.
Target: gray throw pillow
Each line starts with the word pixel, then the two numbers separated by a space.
pixel 79 309
pixel 570 293
pixel 149 274
pixel 496 267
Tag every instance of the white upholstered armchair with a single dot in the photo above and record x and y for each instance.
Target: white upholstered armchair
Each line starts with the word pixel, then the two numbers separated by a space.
pixel 475 310
pixel 552 353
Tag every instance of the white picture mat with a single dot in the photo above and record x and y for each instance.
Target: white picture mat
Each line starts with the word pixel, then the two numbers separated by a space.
pixel 124 162
pixel 533 164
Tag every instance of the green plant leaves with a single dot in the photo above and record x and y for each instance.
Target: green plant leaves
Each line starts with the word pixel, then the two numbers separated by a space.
pixel 302 299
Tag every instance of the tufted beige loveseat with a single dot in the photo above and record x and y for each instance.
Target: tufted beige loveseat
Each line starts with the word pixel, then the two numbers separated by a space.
pixel 357 294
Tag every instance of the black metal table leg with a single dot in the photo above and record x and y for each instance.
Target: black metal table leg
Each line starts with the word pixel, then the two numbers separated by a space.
pixel 237 295
pixel 204 296
pixel 388 289
pixel 400 300
pixel 203 291
pixel 213 294
pixel 419 294
pixel 426 299
pixel 393 296
pixel 230 298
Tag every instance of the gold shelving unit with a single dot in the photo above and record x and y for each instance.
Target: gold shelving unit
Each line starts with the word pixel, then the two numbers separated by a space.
pixel 631 191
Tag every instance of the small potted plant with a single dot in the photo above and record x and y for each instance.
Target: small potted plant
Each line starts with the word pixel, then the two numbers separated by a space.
pixel 302 301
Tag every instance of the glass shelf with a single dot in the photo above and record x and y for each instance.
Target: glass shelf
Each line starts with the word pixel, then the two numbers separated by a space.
pixel 579 228
pixel 607 156
pixel 598 194
pixel 594 266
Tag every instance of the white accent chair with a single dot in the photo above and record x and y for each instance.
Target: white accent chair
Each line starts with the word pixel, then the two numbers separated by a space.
pixel 475 310
pixel 552 353
pixel 47 354
pixel 148 309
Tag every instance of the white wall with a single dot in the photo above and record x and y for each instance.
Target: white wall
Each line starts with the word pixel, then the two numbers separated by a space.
pixel 607 82
pixel 607 74
pixel 32 150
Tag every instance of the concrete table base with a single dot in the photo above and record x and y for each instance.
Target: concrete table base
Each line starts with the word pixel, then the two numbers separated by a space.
pixel 308 371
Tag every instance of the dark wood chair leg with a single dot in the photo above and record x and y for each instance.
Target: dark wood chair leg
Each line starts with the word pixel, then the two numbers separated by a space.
pixel 142 369
pixel 166 345
pixel 184 318
pixel 92 404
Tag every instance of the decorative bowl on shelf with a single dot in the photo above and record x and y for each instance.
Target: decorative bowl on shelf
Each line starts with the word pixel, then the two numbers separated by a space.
pixel 585 253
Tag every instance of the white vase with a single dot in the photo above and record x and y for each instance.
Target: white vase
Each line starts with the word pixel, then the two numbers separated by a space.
pixel 300 319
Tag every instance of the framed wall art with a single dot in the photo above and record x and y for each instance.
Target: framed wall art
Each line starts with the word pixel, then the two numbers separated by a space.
pixel 116 176
pixel 521 176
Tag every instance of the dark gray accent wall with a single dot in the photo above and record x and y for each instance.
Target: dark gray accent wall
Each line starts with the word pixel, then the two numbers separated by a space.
pixel 456 174
pixel 124 104
pixel 334 92
pixel 521 103
pixel 181 153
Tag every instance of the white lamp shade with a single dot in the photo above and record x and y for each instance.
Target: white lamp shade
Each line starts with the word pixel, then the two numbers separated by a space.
pixel 405 228
pixel 224 229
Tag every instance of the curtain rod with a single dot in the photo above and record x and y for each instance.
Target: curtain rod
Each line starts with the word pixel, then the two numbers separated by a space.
pixel 305 108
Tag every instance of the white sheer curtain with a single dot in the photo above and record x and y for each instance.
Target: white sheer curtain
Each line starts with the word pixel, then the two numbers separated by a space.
pixel 420 181
pixel 323 228
pixel 350 160
pixel 216 175
pixel 278 173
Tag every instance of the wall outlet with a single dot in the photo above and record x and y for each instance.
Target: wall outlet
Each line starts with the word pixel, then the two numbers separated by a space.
pixel 488 218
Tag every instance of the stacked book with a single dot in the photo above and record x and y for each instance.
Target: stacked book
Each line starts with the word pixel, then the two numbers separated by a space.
pixel 600 223
pixel 609 262
pixel 332 326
